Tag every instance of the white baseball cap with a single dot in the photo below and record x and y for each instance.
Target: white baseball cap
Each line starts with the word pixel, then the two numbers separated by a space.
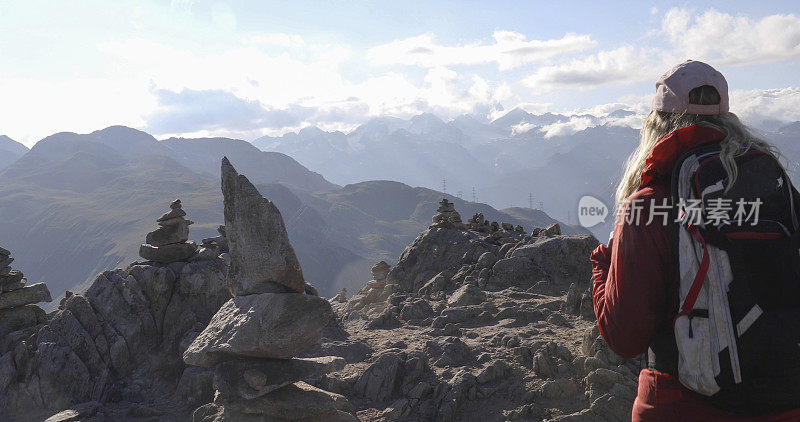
pixel 672 89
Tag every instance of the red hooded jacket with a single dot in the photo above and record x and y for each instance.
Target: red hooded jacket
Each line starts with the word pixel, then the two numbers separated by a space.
pixel 635 287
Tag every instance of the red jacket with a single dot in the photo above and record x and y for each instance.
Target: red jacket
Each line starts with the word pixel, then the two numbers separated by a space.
pixel 635 287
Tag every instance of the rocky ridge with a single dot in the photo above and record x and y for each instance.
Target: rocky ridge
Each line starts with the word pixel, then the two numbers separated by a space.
pixel 481 322
pixel 114 352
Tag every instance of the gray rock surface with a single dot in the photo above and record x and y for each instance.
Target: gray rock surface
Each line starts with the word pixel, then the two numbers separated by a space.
pixel 468 294
pixel 259 246
pixel 119 339
pixel 34 293
pixel 168 253
pixel 252 378
pixel 266 325
pixel 562 258
pixel 297 401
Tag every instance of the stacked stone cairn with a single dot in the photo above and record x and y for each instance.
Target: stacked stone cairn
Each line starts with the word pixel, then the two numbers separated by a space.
pixel 478 223
pixel 217 243
pixel 496 233
pixel 18 313
pixel 341 297
pixel 169 243
pixel 212 247
pixel 375 291
pixel 447 217
pixel 251 341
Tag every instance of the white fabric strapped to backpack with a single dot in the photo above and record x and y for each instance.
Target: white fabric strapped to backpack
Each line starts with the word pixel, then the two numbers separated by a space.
pixel 701 339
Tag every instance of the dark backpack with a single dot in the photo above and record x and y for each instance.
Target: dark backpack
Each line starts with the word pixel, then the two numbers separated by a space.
pixel 738 326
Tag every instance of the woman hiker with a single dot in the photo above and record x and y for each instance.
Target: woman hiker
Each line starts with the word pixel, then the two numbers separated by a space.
pixel 637 290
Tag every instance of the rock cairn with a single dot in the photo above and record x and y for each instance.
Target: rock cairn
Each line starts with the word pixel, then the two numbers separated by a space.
pixel 375 292
pixel 212 247
pixel 341 297
pixel 217 243
pixel 251 342
pixel 169 243
pixel 447 216
pixel 478 223
pixel 17 302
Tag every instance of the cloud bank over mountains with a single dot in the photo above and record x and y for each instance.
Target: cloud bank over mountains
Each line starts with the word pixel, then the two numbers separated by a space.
pixel 161 77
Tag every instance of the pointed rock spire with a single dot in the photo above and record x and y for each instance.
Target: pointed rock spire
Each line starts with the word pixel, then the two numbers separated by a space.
pixel 262 259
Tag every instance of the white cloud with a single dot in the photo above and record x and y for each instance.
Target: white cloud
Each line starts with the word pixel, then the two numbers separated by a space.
pixel 522 128
pixel 509 50
pixel 573 125
pixel 623 65
pixel 278 39
pixel 713 36
pixel 756 106
pixel 727 39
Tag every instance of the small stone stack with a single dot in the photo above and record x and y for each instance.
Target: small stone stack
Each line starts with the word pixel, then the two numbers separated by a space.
pixel 478 223
pixel 169 243
pixel 252 341
pixel 341 297
pixel 17 302
pixel 219 244
pixel 374 291
pixel 447 217
pixel 212 247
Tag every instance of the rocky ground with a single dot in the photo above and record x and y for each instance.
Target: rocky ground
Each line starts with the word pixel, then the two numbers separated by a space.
pixel 477 321
pixel 473 327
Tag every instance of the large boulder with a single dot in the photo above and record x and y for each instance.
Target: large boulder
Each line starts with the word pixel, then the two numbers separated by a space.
pixel 468 294
pixel 250 378
pixel 297 401
pixel 434 251
pixel 563 258
pixel 34 293
pixel 18 318
pixel 259 246
pixel 168 253
pixel 266 325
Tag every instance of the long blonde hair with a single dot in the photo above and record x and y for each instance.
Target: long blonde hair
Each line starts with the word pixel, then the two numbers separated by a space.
pixel 739 138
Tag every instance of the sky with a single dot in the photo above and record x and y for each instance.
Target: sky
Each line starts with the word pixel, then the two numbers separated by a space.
pixel 245 69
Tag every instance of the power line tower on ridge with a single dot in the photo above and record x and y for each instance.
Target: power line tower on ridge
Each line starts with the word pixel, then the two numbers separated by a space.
pixel 474 197
pixel 530 200
pixel 444 185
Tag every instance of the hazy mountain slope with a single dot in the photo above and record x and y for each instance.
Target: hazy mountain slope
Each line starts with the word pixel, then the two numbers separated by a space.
pixel 389 215
pixel 422 151
pixel 203 156
pixel 79 204
pixel 76 205
pixel 65 230
pixel 591 167
pixel 10 151
pixel 519 116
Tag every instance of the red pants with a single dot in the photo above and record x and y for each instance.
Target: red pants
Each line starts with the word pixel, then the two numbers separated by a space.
pixel 661 397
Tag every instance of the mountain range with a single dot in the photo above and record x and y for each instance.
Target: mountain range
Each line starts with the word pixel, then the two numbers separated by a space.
pixel 78 204
pixel 546 161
